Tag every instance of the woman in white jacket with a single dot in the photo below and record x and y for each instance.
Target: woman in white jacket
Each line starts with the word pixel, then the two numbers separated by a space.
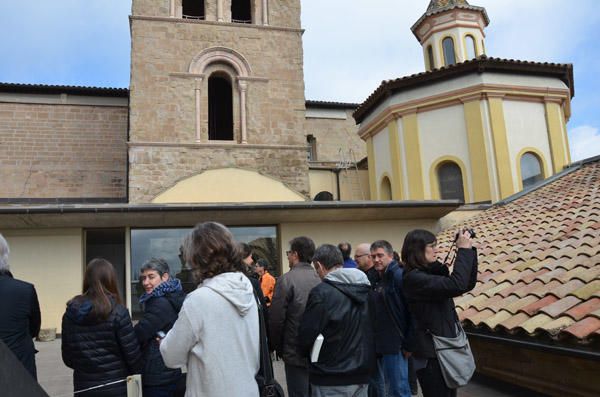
pixel 217 333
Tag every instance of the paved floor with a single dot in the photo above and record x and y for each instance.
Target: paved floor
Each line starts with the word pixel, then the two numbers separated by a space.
pixel 56 378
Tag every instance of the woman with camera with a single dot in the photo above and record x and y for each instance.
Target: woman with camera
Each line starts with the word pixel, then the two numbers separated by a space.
pixel 430 288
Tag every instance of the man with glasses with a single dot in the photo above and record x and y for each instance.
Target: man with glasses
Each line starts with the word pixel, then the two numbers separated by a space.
pixel 392 321
pixel 287 308
pixel 362 257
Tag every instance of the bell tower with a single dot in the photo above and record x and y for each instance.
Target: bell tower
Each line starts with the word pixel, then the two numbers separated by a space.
pixel 216 85
pixel 450 32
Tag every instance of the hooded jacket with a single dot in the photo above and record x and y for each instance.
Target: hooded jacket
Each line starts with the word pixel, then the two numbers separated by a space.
pixel 160 308
pixel 217 337
pixel 99 351
pixel 338 308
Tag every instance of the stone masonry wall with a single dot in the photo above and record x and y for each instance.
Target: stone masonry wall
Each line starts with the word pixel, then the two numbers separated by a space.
pixel 62 151
pixel 153 170
pixel 333 134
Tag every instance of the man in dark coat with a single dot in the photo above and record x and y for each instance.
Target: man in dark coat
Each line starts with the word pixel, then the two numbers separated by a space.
pixel 338 310
pixel 289 301
pixel 20 313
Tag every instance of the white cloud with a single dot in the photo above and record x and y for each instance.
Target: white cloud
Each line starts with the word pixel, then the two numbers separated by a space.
pixel 584 142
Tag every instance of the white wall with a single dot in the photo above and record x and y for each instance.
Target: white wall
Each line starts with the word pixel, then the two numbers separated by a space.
pixel 383 161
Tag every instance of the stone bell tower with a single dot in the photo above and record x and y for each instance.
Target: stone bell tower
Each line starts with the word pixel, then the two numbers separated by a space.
pixel 451 31
pixel 215 84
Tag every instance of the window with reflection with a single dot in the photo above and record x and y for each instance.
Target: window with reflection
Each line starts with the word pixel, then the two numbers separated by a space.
pixel 450 182
pixel 449 53
pixel 430 57
pixel 166 243
pixel 531 170
pixel 471 50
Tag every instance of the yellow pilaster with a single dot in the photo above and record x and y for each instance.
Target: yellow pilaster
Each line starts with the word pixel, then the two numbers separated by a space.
pixel 477 152
pixel 410 128
pixel 503 164
pixel 395 157
pixel 556 137
pixel 371 165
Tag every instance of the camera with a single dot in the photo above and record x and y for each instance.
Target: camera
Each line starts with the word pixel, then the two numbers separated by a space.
pixel 466 229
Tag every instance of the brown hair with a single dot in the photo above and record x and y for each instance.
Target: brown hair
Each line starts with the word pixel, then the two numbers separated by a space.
pixel 212 250
pixel 413 249
pixel 99 286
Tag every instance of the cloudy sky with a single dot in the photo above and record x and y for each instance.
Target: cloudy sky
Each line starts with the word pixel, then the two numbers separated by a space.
pixel 349 46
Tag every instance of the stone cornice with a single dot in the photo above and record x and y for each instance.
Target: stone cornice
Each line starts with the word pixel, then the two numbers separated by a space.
pixel 215 145
pixel 213 23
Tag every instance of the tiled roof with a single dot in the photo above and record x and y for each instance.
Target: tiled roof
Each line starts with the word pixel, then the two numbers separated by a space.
pixel 481 64
pixel 539 261
pixel 63 89
pixel 330 105
pixel 440 6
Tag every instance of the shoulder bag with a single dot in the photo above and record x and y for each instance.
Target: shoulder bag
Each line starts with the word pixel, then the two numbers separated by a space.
pixel 267 385
pixel 455 358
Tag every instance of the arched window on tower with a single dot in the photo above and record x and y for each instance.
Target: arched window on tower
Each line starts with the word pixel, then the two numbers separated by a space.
pixel 471 50
pixel 386 189
pixel 241 11
pixel 450 182
pixel 430 57
pixel 531 169
pixel 220 108
pixel 449 53
pixel 193 9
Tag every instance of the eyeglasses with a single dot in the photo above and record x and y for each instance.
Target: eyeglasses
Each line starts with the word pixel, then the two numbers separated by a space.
pixel 359 256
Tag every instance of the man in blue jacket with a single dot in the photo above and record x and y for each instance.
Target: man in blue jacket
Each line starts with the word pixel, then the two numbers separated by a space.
pixel 392 321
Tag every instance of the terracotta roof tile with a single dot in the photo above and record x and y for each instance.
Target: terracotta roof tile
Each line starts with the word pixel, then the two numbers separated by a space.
pixel 583 309
pixel 539 268
pixel 582 329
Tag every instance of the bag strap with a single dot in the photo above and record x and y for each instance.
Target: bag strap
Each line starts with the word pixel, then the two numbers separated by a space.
pixel 266 367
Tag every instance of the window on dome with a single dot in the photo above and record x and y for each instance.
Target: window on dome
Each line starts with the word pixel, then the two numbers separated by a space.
pixel 450 182
pixel 449 53
pixel 471 50
pixel 531 169
pixel 430 57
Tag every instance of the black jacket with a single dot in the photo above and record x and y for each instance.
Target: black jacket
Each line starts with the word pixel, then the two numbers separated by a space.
pixel 430 296
pixel 338 308
pixel 99 351
pixel 289 301
pixel 20 314
pixel 391 316
pixel 160 313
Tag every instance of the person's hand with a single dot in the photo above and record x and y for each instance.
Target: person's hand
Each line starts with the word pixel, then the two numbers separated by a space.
pixel 464 239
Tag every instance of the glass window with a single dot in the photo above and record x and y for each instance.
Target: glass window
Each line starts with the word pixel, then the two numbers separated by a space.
pixel 165 243
pixel 451 182
pixel 449 54
pixel 471 51
pixel 386 189
pixel 430 57
pixel 531 170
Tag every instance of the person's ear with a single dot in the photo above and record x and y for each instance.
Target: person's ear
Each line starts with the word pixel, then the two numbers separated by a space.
pixel 165 277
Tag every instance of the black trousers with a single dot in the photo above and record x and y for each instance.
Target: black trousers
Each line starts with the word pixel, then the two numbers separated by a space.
pixel 432 381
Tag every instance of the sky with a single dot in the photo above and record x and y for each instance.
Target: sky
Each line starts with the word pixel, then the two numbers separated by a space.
pixel 348 49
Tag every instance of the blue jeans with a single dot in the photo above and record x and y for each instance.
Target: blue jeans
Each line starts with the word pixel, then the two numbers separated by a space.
pixel 395 373
pixel 377 382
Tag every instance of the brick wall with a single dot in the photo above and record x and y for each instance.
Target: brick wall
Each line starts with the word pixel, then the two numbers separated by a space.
pixel 62 151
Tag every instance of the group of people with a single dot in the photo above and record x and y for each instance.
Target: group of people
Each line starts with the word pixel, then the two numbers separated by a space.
pixel 343 327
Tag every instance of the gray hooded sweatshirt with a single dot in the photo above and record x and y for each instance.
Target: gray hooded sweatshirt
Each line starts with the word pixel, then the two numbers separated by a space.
pixel 217 337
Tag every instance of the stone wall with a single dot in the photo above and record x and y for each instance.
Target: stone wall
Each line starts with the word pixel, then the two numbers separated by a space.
pixel 163 104
pixel 62 151
pixel 335 134
pixel 154 169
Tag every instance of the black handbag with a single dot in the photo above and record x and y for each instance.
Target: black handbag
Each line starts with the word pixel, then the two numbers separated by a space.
pixel 267 385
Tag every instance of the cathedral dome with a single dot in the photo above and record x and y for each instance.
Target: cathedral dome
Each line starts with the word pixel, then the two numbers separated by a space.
pixel 436 5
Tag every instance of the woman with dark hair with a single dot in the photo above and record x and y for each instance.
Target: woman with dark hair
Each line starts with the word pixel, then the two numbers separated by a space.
pixel 212 333
pixel 160 304
pixel 429 289
pixel 98 341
